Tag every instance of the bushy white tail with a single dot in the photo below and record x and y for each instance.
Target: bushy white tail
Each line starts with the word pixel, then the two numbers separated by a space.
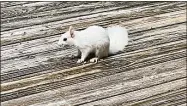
pixel 118 38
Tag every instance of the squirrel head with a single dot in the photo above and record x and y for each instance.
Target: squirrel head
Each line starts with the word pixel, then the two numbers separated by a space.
pixel 67 38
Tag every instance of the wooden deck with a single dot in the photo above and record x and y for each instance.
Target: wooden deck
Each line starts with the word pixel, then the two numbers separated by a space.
pixel 35 71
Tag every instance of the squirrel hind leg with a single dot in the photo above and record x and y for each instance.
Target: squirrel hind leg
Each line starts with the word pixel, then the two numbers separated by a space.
pixel 102 51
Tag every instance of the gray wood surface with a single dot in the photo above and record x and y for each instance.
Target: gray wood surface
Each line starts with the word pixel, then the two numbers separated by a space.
pixel 35 71
pixel 101 18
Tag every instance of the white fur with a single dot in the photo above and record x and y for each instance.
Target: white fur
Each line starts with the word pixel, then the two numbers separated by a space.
pixel 118 38
pixel 91 37
pixel 96 36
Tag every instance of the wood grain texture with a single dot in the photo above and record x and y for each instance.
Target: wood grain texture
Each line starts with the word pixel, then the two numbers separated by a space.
pixel 146 53
pixel 141 94
pixel 53 61
pixel 62 8
pixel 104 68
pixel 50 43
pixel 164 99
pixel 103 19
pixel 62 14
pixel 11 4
pixel 40 46
pixel 125 77
pixel 36 7
pixel 35 71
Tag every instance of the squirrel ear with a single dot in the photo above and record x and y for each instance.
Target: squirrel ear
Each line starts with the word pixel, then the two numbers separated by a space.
pixel 71 31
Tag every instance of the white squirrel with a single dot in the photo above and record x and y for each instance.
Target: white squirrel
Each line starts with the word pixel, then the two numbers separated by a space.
pixel 95 39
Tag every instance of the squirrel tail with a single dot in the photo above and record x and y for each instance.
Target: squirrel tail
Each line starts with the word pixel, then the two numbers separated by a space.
pixel 118 38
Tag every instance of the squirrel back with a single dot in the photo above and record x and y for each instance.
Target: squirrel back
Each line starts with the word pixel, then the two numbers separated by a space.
pixel 118 38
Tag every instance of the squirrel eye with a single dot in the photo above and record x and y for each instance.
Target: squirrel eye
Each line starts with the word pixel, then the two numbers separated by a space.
pixel 65 39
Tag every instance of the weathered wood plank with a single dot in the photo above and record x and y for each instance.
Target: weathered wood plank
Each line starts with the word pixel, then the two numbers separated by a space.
pixel 10 4
pixel 162 99
pixel 105 68
pixel 80 11
pixel 40 26
pixel 71 11
pixel 108 18
pixel 130 80
pixel 48 78
pixel 37 7
pixel 140 94
pixel 58 65
pixel 138 28
pixel 61 62
pixel 50 44
pixel 150 71
pixel 148 51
